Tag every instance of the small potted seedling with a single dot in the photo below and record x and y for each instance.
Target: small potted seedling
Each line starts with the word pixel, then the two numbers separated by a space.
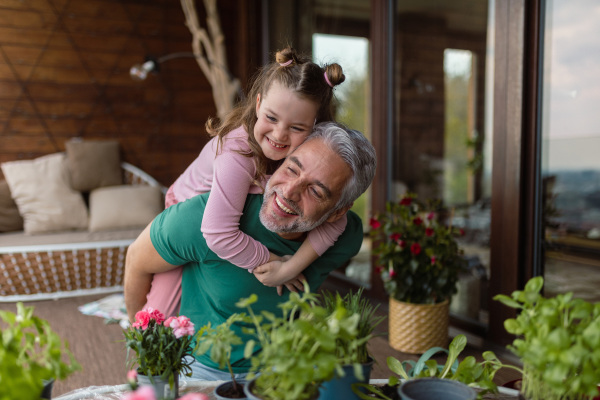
pixel 466 373
pixel 219 341
pixel 32 356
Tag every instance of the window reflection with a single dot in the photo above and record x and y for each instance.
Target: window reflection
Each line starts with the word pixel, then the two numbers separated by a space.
pixel 571 145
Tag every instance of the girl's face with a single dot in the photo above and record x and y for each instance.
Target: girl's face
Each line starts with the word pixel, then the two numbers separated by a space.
pixel 284 120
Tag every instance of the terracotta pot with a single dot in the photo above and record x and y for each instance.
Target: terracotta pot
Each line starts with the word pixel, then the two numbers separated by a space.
pixel 415 328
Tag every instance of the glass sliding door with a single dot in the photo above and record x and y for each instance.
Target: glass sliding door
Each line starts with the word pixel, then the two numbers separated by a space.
pixel 442 140
pixel 570 124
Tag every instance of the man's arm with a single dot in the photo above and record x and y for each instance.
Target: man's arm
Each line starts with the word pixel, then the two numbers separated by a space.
pixel 141 262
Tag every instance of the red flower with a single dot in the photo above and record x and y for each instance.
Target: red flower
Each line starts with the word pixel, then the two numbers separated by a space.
pixel 431 216
pixel 462 232
pixel 415 249
pixel 395 237
pixel 417 221
pixel 392 273
pixel 402 243
pixel 406 201
pixel 378 269
pixel 429 231
pixel 432 260
pixel 374 223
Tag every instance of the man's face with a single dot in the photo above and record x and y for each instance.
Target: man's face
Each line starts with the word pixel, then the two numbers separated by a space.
pixel 302 192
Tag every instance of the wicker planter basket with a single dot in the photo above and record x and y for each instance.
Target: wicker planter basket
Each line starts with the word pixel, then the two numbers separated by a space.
pixel 415 328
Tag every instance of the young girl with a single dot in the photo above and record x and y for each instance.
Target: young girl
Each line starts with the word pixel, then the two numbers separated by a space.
pixel 285 101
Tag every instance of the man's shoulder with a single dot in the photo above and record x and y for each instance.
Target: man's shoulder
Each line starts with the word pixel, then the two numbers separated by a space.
pixel 351 239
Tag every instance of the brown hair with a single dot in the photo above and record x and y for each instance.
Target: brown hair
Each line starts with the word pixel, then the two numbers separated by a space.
pixel 303 77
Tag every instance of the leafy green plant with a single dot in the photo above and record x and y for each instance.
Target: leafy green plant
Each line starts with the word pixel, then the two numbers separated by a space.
pixel 558 341
pixel 220 341
pixel 161 346
pixel 468 371
pixel 418 257
pixel 298 349
pixel 30 352
pixel 354 349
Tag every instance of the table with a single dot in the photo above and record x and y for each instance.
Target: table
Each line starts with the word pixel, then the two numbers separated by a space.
pixel 207 387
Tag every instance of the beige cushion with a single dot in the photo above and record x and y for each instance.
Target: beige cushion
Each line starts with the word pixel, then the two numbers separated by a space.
pixel 43 195
pixel 10 219
pixel 93 163
pixel 124 206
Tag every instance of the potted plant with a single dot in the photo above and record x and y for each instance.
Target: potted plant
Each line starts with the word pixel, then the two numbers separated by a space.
pixel 298 348
pixel 419 261
pixel 163 350
pixel 351 350
pixel 467 372
pixel 558 341
pixel 219 341
pixel 32 355
pixel 147 392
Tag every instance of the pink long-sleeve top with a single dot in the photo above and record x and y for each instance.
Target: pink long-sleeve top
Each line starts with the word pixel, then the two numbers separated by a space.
pixel 228 175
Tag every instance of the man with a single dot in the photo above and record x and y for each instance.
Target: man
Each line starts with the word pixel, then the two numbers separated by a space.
pixel 318 182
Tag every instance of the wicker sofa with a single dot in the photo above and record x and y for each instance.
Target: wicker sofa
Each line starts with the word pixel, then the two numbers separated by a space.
pixel 70 263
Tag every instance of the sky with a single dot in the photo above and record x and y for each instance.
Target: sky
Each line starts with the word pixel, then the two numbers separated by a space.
pixel 571 90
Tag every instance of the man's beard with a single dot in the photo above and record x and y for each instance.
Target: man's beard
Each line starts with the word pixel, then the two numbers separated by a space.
pixel 299 224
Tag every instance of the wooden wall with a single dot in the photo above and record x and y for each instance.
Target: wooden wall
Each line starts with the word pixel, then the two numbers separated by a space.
pixel 64 72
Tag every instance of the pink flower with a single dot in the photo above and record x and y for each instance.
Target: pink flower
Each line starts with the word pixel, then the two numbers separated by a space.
pixel 143 393
pixel 195 396
pixel 415 248
pixel 132 376
pixel 374 223
pixel 407 201
pixel 417 221
pixel 392 273
pixel 432 260
pixel 156 315
pixel 429 231
pixel 431 216
pixel 181 326
pixel 142 319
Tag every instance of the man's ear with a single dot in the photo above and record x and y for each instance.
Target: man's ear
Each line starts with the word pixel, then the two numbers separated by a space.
pixel 339 213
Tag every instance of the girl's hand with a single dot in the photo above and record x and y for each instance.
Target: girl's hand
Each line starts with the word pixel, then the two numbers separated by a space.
pixel 293 285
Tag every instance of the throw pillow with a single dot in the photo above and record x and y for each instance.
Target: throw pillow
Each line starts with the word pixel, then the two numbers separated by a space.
pixel 93 163
pixel 124 206
pixel 44 196
pixel 10 219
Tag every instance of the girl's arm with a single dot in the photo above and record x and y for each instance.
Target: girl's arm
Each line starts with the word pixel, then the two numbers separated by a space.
pixel 232 181
pixel 318 241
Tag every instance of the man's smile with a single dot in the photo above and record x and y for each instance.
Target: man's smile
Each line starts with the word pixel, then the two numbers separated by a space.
pixel 283 207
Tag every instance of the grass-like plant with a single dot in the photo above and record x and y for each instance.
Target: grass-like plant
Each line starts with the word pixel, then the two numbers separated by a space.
pixel 354 349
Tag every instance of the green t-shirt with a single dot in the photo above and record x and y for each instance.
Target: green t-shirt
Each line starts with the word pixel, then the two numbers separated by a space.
pixel 212 286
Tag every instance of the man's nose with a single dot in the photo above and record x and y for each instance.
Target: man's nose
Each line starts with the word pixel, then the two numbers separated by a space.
pixel 292 190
